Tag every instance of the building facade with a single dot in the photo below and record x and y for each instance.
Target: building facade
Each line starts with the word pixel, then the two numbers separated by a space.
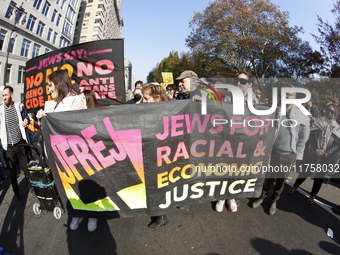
pixel 98 20
pixel 30 29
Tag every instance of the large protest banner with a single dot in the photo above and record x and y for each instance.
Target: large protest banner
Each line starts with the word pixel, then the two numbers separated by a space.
pixel 97 66
pixel 147 159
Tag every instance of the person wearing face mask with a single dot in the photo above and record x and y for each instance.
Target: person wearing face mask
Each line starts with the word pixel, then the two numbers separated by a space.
pixel 137 97
pixel 324 148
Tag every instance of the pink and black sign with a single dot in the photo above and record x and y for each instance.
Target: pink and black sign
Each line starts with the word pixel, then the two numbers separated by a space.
pixel 97 66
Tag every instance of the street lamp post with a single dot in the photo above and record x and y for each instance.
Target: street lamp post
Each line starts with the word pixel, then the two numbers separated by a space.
pixel 19 11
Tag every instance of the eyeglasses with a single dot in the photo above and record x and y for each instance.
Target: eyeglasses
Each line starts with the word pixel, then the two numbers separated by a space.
pixel 242 81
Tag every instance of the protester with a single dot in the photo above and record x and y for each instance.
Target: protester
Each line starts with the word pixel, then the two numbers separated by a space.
pixel 65 98
pixel 64 95
pixel 13 137
pixel 90 99
pixel 170 92
pixel 189 81
pixel 289 146
pixel 314 112
pixel 181 95
pixel 243 81
pixel 175 97
pixel 138 85
pixel 324 144
pixel 137 97
pixel 155 93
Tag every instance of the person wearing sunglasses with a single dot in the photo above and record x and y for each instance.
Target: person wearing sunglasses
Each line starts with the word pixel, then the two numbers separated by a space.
pixel 243 82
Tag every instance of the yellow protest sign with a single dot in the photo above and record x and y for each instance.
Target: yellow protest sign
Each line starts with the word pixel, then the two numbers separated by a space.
pixel 167 78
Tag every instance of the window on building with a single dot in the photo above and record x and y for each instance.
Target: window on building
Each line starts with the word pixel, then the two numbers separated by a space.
pixel 11 45
pixel 2 38
pixel 31 22
pixel 40 28
pixel 95 38
pixel 47 50
pixel 55 37
pixel 97 29
pixel 74 2
pixel 8 73
pixel 54 14
pixel 37 4
pixel 57 1
pixel 58 19
pixel 70 13
pixel 82 39
pixel 67 29
pixel 36 50
pixel 87 14
pixel 21 74
pixel 46 8
pixel 10 10
pixel 98 21
pixel 62 4
pixel 90 1
pixel 49 34
pixel 61 42
pixel 25 47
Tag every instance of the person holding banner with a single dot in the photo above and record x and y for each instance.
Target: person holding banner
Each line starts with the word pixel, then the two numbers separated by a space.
pixel 189 80
pixel 288 147
pixel 64 95
pixel 155 93
pixel 243 81
pixel 65 98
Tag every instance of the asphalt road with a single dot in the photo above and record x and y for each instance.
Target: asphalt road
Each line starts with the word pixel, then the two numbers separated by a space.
pixel 296 228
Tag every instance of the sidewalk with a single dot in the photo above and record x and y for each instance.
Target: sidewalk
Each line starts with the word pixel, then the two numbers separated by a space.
pixel 296 228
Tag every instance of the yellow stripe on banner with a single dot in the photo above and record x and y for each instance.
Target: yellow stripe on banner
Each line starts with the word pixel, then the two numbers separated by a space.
pixel 104 204
pixel 135 196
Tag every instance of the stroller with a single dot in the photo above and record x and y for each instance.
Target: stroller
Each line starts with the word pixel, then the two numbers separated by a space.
pixel 42 183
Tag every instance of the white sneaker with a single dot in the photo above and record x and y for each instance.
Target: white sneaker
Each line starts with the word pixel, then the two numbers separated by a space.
pixel 75 223
pixel 220 205
pixel 92 224
pixel 232 206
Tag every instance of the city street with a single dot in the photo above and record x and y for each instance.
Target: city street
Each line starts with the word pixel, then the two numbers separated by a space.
pixel 296 228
